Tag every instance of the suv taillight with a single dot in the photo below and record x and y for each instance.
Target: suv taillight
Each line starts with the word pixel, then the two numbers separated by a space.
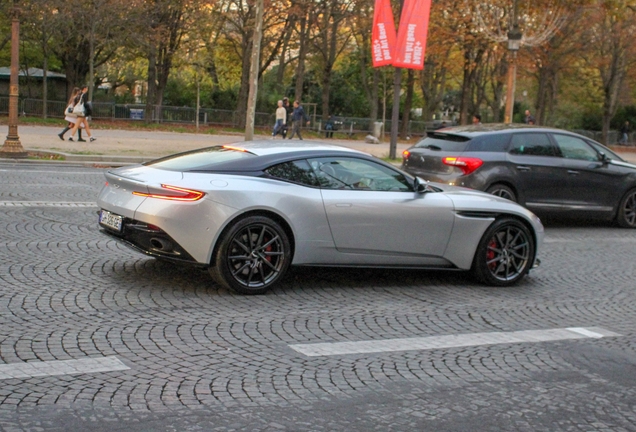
pixel 466 164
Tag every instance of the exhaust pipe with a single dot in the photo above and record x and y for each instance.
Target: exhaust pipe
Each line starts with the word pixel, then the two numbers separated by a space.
pixel 161 244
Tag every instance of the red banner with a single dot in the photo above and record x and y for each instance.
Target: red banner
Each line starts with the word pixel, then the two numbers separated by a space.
pixel 411 38
pixel 383 37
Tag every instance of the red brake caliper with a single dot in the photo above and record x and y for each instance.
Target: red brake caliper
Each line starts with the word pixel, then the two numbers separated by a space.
pixel 491 253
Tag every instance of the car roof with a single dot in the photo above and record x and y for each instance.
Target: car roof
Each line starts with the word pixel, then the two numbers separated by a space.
pixel 472 131
pixel 267 153
pixel 286 147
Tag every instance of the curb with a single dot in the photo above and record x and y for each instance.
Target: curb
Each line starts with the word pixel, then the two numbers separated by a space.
pixel 82 160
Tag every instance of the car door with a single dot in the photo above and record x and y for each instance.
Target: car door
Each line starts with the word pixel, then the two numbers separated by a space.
pixel 373 209
pixel 540 174
pixel 592 183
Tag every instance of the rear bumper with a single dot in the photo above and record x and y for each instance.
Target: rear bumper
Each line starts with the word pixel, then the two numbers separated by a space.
pixel 150 242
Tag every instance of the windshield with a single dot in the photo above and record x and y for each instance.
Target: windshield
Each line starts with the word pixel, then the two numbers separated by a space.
pixel 609 153
pixel 200 159
pixel 446 142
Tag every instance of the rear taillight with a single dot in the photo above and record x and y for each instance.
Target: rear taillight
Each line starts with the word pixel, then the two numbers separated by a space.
pixel 174 193
pixel 406 154
pixel 466 164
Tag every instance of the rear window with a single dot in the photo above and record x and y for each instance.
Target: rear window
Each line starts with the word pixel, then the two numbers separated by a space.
pixel 490 143
pixel 200 159
pixel 446 142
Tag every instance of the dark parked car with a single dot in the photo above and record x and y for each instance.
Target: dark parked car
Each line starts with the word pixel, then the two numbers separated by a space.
pixel 549 171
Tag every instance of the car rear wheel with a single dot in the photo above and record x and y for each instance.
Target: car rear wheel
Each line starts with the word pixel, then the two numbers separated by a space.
pixel 627 210
pixel 505 253
pixel 253 255
pixel 502 191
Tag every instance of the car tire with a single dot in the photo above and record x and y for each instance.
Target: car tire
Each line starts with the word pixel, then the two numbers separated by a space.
pixel 503 191
pixel 626 216
pixel 253 254
pixel 505 253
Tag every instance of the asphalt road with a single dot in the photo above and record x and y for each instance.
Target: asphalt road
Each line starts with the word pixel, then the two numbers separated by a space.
pixel 94 336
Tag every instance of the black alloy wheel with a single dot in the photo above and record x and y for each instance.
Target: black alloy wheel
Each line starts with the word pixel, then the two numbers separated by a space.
pixel 253 255
pixel 505 253
pixel 627 210
pixel 503 191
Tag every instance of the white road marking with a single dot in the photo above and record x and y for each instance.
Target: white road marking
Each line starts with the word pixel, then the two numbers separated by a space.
pixel 449 341
pixel 47 204
pixel 585 332
pixel 61 367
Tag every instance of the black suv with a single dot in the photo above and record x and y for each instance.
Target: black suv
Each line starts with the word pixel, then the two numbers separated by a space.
pixel 547 170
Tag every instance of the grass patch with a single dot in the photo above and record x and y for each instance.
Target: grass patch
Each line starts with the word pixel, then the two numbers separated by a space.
pixel 44 156
pixel 84 153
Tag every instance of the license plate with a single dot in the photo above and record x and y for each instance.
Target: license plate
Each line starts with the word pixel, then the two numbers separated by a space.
pixel 110 220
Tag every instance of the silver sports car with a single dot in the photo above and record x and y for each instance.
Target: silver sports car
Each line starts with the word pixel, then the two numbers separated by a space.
pixel 248 212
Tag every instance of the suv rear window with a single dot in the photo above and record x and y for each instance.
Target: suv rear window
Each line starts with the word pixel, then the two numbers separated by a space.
pixel 200 159
pixel 490 143
pixel 446 142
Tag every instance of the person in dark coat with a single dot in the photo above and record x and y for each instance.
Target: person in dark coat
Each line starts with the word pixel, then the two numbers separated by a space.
pixel 298 116
pixel 288 121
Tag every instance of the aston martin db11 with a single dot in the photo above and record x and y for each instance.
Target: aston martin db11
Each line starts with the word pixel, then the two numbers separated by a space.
pixel 249 211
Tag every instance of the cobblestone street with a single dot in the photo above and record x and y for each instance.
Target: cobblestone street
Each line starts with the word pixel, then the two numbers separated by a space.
pixel 94 336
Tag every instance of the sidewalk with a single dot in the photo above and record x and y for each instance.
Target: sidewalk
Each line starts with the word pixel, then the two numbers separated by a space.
pixel 123 146
pixel 115 146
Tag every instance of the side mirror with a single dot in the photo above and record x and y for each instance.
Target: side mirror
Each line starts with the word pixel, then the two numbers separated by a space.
pixel 419 186
pixel 604 157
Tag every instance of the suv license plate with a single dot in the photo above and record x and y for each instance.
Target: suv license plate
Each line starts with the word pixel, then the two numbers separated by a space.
pixel 110 220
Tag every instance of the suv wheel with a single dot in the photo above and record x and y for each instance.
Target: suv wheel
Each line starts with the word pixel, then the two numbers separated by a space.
pixel 503 191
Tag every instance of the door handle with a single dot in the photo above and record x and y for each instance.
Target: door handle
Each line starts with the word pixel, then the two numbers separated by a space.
pixel 573 172
pixel 523 168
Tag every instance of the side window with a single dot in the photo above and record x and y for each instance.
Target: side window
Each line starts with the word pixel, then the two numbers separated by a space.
pixel 575 148
pixel 490 143
pixel 531 144
pixel 358 174
pixel 295 171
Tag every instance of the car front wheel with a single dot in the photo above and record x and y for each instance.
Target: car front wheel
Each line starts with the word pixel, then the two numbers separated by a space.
pixel 627 210
pixel 505 253
pixel 253 255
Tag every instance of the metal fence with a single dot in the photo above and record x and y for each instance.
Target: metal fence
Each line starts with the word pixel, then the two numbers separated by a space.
pixel 348 126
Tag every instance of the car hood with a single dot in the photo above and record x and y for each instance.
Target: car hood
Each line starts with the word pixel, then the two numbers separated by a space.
pixel 623 164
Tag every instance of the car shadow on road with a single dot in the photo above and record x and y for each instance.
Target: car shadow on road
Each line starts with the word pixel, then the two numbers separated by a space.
pixel 164 275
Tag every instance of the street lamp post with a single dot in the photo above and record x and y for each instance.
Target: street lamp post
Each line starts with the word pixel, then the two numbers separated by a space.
pixel 12 147
pixel 514 43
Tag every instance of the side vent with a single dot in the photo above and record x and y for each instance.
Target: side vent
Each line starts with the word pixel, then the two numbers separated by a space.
pixel 478 214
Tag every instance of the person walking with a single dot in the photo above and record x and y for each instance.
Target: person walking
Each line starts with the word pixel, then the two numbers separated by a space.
pixel 298 116
pixel 529 118
pixel 281 119
pixel 624 133
pixel 80 110
pixel 329 127
pixel 288 109
pixel 477 119
pixel 70 117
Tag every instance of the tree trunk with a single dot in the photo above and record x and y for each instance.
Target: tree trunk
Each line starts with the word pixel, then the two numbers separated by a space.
pixel 254 70
pixel 241 105
pixel 302 52
pixel 408 102
pixel 375 99
pixel 152 84
pixel 45 81
pixel 395 115
pixel 282 62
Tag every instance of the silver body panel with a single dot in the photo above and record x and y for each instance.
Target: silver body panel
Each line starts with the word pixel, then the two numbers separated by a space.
pixel 329 227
